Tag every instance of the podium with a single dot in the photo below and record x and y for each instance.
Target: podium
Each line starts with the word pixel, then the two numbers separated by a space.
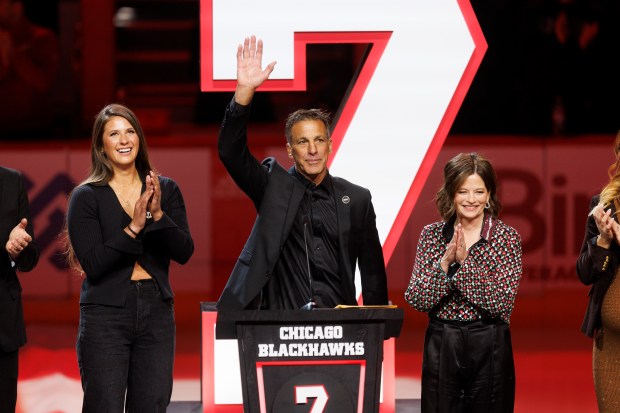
pixel 322 360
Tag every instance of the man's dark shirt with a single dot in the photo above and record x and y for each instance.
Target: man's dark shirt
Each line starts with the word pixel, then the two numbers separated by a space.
pixel 317 222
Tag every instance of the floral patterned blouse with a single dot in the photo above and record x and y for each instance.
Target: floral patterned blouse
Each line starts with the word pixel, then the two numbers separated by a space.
pixel 483 287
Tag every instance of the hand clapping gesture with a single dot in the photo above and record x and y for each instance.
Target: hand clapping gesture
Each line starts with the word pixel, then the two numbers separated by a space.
pixel 608 228
pixel 148 205
pixel 155 204
pixel 456 252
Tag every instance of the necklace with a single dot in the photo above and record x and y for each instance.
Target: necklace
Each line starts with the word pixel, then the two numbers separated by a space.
pixel 125 200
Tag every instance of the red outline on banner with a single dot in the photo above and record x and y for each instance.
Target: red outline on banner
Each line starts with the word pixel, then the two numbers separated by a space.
pixel 207 372
pixel 261 383
pixel 480 48
pixel 379 41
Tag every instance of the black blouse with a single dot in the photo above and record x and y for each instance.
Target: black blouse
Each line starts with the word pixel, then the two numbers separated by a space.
pixel 107 254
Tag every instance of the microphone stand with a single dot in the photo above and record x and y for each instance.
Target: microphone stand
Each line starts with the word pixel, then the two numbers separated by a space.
pixel 310 304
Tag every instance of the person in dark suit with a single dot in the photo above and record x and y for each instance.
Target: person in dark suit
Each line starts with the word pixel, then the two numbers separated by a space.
pixel 22 253
pixel 312 228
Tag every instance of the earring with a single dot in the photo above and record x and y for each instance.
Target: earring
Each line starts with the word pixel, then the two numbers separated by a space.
pixel 487 205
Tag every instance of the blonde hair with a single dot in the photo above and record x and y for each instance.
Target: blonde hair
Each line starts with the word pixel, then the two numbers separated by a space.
pixel 611 191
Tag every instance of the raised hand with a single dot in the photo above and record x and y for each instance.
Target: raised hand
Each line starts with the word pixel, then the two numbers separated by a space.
pixel 18 239
pixel 250 74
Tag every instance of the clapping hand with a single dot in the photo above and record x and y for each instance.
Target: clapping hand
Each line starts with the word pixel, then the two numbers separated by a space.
pixel 456 251
pixel 138 222
pixel 608 228
pixel 152 179
pixel 148 205
pixel 461 248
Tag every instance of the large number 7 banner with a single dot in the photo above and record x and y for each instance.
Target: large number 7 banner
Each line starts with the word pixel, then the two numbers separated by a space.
pixel 423 57
pixel 395 119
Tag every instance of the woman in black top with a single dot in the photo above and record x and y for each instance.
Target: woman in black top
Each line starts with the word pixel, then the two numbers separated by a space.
pixel 125 223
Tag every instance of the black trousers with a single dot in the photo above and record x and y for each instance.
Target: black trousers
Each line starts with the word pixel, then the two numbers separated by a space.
pixel 126 355
pixel 468 367
pixel 8 381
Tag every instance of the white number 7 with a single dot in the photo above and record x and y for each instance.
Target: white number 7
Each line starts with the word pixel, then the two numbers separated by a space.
pixel 303 393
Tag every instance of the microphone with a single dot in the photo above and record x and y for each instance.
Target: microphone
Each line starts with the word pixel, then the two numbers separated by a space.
pixel 310 304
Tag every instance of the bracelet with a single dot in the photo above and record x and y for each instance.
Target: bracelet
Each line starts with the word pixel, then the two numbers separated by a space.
pixel 132 231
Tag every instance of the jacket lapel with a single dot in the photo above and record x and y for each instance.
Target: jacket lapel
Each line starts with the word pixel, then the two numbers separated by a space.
pixel 297 195
pixel 343 208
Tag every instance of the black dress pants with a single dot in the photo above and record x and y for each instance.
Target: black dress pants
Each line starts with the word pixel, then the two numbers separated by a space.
pixel 126 354
pixel 468 367
pixel 9 366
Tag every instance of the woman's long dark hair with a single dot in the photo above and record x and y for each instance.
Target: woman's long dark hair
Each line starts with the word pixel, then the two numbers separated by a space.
pixel 100 168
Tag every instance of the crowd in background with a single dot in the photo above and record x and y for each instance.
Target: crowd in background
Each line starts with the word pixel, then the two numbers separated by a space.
pixel 550 69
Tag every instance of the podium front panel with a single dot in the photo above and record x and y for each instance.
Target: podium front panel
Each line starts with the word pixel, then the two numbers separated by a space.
pixel 280 378
pixel 337 362
pixel 292 386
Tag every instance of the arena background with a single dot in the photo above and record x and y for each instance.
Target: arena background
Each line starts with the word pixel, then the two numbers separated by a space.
pixel 550 161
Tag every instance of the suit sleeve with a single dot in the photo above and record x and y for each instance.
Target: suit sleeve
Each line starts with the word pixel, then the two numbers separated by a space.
pixel 428 285
pixel 593 261
pixel 371 262
pixel 247 172
pixel 30 255
pixel 171 232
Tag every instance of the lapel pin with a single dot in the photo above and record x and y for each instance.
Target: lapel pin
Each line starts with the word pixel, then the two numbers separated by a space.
pixel 346 199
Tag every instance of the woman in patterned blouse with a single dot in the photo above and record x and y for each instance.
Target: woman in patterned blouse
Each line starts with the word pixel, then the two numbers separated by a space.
pixel 466 275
